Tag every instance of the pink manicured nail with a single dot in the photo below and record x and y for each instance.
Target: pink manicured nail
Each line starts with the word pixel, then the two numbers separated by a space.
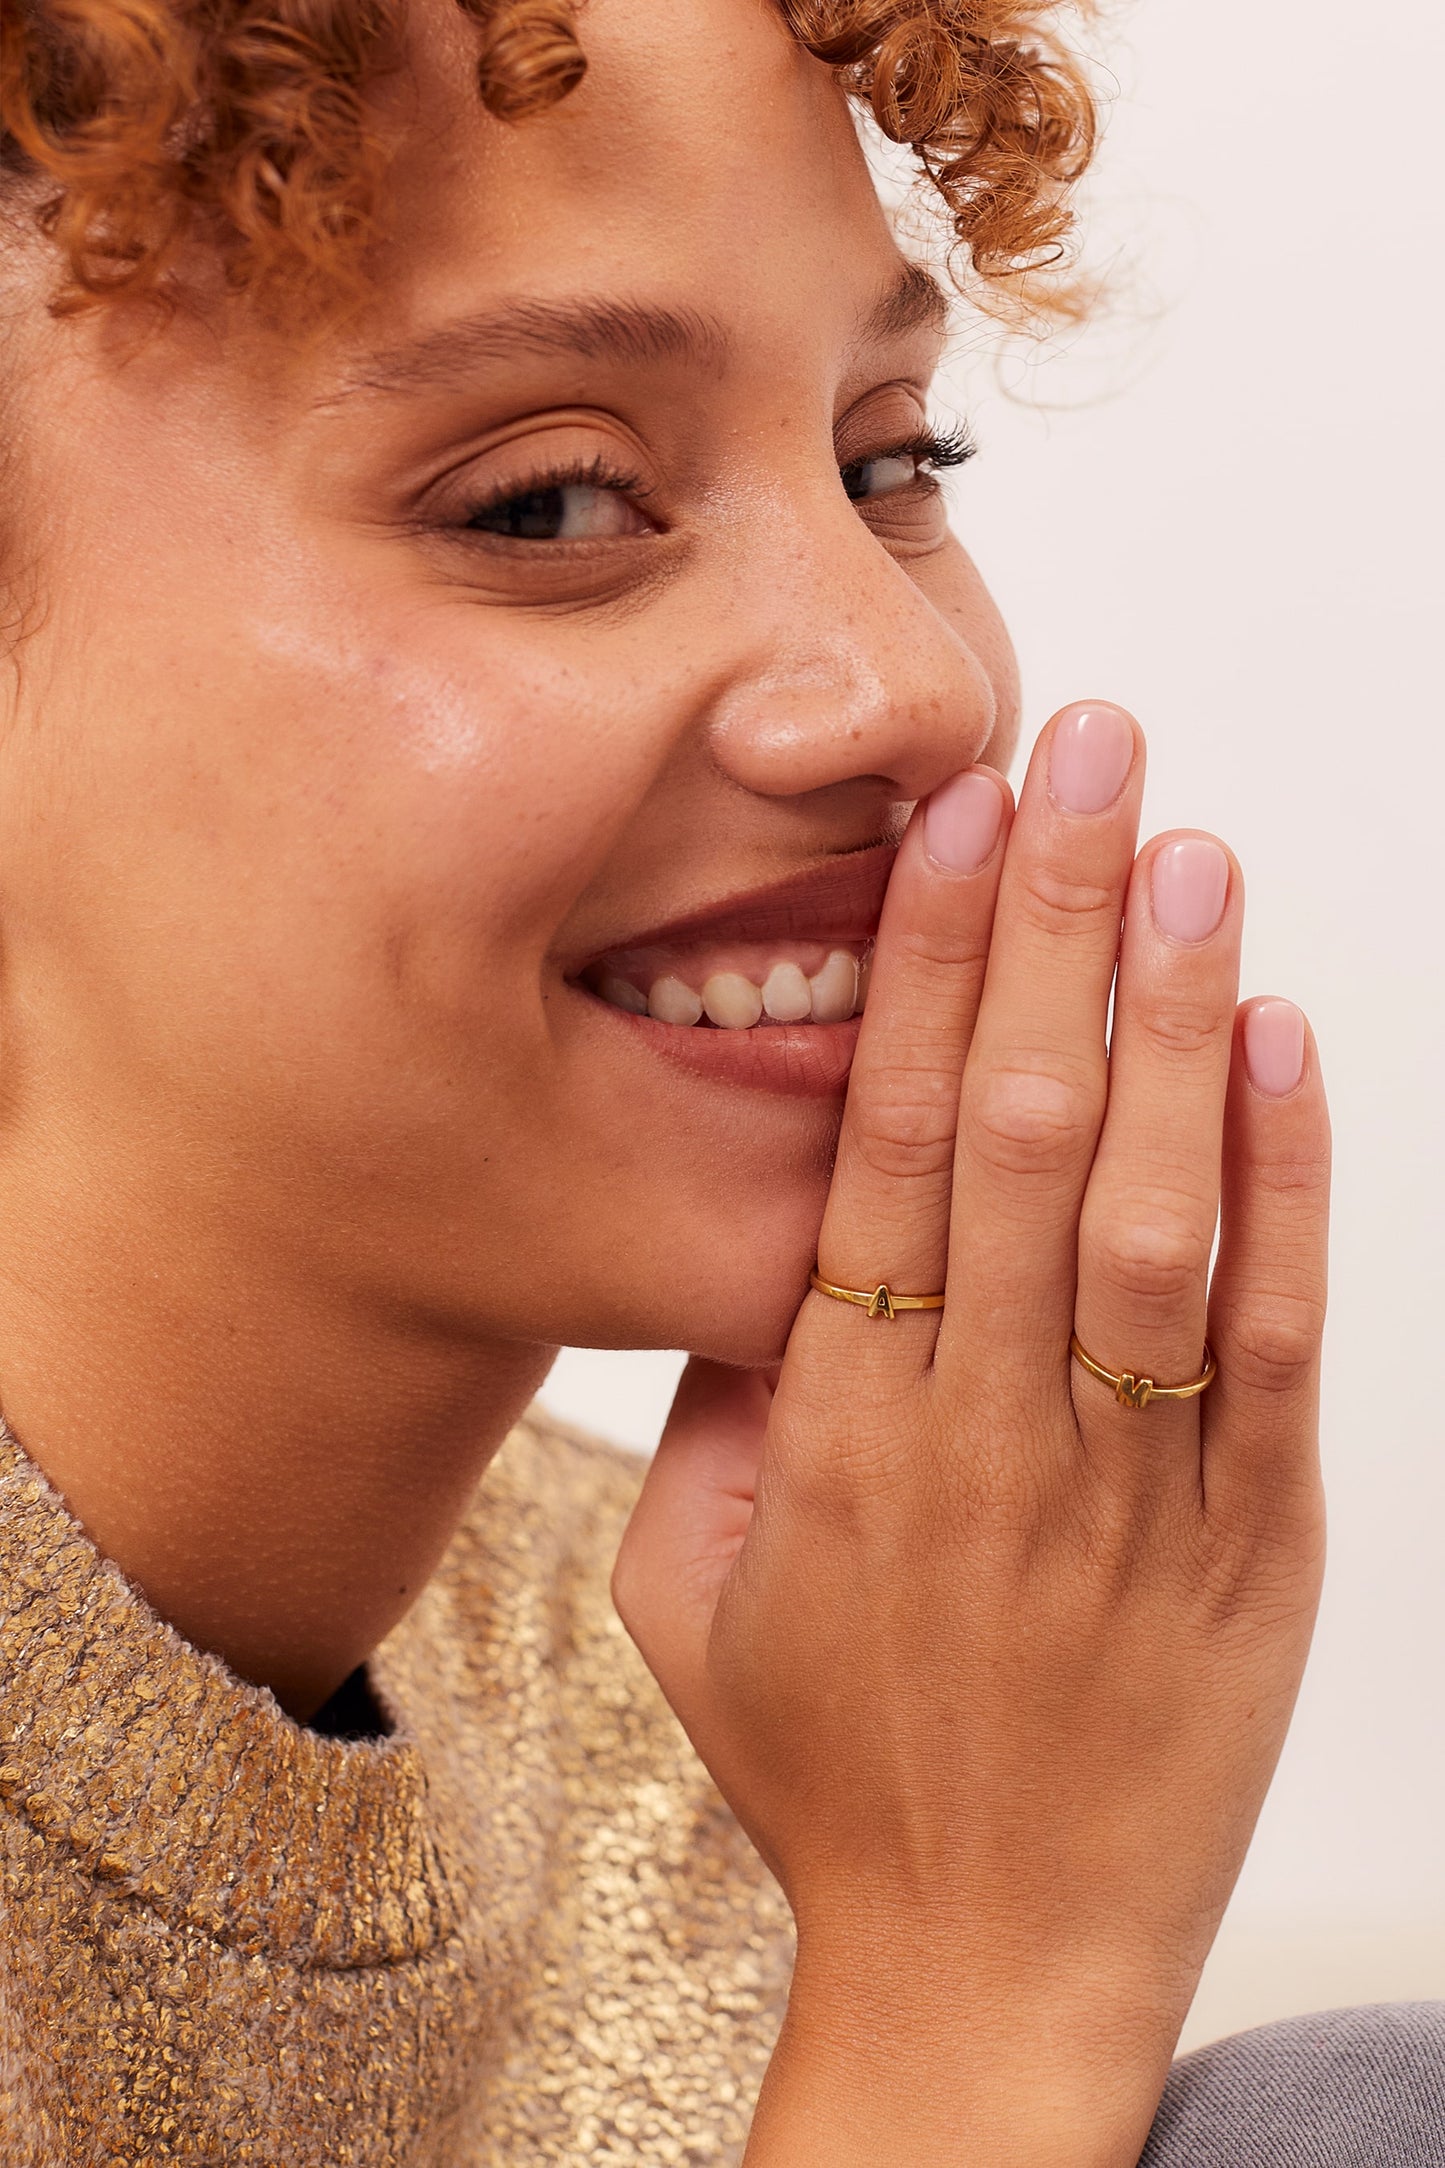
pixel 1274 1047
pixel 1090 759
pixel 961 822
pixel 1189 884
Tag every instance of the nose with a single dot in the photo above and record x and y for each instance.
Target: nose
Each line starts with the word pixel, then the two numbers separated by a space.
pixel 847 670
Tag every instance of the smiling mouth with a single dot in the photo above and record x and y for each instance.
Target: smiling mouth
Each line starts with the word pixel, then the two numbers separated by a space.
pixel 736 987
pixel 792 955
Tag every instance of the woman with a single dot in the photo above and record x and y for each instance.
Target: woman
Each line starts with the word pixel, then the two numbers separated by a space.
pixel 480 610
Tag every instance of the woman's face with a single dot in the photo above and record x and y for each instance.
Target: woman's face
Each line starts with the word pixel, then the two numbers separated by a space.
pixel 572 623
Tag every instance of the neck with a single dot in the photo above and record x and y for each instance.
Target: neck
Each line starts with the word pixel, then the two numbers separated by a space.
pixel 276 1462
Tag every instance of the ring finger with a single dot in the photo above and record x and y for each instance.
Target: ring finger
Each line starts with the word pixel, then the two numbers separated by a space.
pixel 1150 1210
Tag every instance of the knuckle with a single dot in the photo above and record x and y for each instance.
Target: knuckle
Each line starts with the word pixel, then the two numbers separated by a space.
pixel 838 1480
pixel 1052 901
pixel 906 1125
pixel 1112 1535
pixel 1152 1250
pixel 1298 1177
pixel 1258 1579
pixel 1181 1028
pixel 1031 1121
pixel 1274 1339
pixel 941 951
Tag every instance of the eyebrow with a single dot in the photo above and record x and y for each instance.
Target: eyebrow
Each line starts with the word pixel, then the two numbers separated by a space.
pixel 914 302
pixel 522 330
pixel 630 332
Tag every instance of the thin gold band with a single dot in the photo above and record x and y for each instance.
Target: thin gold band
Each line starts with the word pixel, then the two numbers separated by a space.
pixel 1136 1392
pixel 879 1302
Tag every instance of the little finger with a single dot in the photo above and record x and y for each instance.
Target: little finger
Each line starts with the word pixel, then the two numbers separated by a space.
pixel 1267 1305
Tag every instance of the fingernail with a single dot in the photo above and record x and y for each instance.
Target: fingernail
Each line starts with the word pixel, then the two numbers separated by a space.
pixel 1189 884
pixel 1090 759
pixel 1274 1047
pixel 961 822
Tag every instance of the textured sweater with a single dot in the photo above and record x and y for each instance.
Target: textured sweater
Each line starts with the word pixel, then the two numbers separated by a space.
pixel 519 1927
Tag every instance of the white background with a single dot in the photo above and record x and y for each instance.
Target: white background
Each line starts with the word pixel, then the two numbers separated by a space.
pixel 1221 506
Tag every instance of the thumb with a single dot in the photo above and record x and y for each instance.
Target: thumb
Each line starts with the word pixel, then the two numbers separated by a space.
pixel 689 1522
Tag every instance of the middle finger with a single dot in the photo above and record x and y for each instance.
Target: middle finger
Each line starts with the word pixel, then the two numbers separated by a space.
pixel 1035 1081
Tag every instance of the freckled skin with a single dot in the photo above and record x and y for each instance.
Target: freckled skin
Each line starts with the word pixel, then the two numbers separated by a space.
pixel 311 799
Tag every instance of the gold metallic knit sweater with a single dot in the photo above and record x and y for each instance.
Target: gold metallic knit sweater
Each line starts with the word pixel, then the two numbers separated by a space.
pixel 522 1927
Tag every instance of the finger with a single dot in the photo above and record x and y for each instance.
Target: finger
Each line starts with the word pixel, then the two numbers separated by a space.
pixel 1267 1305
pixel 886 1219
pixel 688 1524
pixel 1147 1227
pixel 1035 1080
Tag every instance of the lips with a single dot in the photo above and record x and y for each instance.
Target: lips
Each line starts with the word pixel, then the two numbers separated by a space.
pixel 839 901
pixel 771 947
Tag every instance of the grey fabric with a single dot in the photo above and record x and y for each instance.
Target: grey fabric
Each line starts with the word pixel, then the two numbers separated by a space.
pixel 1346 2089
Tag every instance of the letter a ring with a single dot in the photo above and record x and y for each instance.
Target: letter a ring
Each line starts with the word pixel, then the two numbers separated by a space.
pixel 879 1301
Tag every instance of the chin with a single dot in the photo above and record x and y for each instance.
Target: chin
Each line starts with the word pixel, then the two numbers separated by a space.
pixel 732 1299
pixel 755 1342
pixel 741 1307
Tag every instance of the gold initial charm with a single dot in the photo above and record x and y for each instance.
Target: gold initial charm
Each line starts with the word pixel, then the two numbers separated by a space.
pixel 1132 1391
pixel 881 1303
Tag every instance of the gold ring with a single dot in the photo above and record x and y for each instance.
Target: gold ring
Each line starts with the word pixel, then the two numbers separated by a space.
pixel 1132 1391
pixel 882 1302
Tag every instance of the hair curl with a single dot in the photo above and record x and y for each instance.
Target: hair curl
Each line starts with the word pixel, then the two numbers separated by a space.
pixel 143 123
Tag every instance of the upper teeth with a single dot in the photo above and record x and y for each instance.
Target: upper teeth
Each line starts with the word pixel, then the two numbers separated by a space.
pixel 735 1001
pixel 787 995
pixel 670 1000
pixel 730 1000
pixel 835 989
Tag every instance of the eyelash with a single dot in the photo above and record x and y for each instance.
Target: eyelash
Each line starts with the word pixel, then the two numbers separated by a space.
pixel 936 450
pixel 575 474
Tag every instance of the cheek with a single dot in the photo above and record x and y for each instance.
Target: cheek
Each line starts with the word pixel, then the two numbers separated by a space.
pixel 273 740
pixel 438 782
pixel 328 831
pixel 493 783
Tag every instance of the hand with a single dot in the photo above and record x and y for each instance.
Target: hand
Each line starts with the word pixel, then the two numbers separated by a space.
pixel 994 1670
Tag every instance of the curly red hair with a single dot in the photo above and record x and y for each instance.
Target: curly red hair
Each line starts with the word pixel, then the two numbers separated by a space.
pixel 248 121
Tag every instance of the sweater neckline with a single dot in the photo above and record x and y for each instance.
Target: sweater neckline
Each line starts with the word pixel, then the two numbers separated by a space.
pixel 184 1787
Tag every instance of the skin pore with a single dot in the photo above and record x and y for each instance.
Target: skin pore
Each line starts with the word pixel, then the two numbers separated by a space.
pixel 318 800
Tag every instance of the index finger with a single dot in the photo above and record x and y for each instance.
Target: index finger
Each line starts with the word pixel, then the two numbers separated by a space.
pixel 887 1216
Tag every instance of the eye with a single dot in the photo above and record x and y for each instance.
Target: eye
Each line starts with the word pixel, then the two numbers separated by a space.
pixel 560 512
pixel 879 477
pixel 905 464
